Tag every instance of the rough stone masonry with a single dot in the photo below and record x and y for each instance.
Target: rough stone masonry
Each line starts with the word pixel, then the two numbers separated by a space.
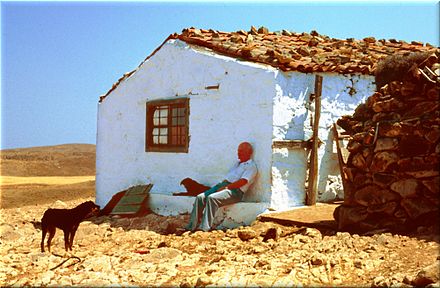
pixel 392 171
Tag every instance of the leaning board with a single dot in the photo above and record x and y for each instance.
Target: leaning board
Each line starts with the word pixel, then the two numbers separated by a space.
pixel 133 200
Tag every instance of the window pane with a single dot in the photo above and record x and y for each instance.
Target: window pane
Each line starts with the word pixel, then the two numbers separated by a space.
pixel 174 112
pixel 156 117
pixel 181 121
pixel 155 139
pixel 174 121
pixel 181 112
pixel 156 131
pixel 163 131
pixel 164 111
pixel 163 121
pixel 163 139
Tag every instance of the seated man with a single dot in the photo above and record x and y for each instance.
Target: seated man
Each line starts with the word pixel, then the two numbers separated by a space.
pixel 230 190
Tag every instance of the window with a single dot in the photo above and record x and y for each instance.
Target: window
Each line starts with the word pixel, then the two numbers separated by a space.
pixel 167 125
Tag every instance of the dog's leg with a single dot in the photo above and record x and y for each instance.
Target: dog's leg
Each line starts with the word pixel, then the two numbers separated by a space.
pixel 72 235
pixel 44 231
pixel 66 239
pixel 52 231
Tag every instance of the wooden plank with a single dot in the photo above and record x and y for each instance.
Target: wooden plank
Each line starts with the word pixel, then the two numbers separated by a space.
pixel 313 171
pixel 291 144
pixel 317 216
pixel 138 190
pixel 126 209
pixel 345 184
pixel 133 200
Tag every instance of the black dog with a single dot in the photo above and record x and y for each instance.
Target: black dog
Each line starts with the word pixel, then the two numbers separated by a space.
pixel 67 220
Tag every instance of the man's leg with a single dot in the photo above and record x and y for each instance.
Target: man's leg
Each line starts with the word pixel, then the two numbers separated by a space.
pixel 198 206
pixel 196 212
pixel 215 201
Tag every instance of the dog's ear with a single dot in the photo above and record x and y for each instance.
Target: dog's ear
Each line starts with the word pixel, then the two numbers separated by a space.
pixel 184 181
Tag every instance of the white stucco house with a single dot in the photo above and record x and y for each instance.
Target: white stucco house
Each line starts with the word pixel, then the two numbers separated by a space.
pixel 185 109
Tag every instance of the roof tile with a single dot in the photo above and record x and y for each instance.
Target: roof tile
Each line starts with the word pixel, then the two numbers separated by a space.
pixel 290 51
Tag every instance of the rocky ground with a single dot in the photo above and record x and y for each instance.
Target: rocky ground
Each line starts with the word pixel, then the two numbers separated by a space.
pixel 140 251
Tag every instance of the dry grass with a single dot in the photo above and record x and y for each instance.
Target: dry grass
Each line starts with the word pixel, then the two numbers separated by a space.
pixel 42 175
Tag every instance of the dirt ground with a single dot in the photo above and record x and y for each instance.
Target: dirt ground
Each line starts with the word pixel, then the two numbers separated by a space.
pixel 143 251
pixel 149 250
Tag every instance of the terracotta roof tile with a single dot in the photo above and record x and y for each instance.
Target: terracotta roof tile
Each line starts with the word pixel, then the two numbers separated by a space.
pixel 290 51
pixel 304 52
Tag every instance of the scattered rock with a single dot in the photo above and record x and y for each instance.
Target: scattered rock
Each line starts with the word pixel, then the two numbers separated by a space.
pixel 428 275
pixel 246 234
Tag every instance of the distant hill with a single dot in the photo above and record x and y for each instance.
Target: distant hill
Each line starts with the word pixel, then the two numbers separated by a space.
pixel 59 160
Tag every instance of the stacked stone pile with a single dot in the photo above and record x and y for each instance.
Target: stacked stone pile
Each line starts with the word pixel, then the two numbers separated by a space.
pixel 392 170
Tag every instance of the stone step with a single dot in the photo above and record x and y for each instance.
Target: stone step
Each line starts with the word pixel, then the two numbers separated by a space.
pixel 230 216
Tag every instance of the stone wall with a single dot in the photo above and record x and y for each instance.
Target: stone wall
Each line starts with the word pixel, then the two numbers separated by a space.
pixel 392 170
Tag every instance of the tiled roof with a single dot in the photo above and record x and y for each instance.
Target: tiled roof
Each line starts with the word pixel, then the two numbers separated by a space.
pixel 303 52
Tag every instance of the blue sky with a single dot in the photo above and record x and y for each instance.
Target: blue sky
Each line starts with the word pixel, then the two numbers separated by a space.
pixel 59 57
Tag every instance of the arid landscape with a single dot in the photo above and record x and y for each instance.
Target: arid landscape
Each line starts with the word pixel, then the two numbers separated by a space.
pixel 147 250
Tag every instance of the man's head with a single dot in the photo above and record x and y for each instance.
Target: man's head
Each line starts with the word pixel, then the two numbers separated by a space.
pixel 244 151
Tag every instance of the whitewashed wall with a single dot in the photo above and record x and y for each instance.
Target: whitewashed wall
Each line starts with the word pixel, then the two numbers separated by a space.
pixel 292 112
pixel 254 103
pixel 240 110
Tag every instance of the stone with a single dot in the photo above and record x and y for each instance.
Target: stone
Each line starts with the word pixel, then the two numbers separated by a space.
pixel 163 254
pixel 370 39
pixel 382 161
pixel 313 233
pixel 388 105
pixel 423 174
pixel 318 259
pixel 246 234
pixel 406 187
pixel 362 113
pixel 369 138
pixel 374 195
pixel 418 207
pixel 433 94
pixel 422 108
pixel 263 30
pixel 359 162
pixel 382 116
pixel 347 216
pixel 427 275
pixel 253 30
pixel 407 88
pixel 354 146
pixel 304 51
pixel 415 164
pixel 413 145
pixel 433 185
pixel 387 208
pixel 384 179
pixel 384 144
pixel 433 135
pixel 271 233
pixel 387 129
pixel 203 281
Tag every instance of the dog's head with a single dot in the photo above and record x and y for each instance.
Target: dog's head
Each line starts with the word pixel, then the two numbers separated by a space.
pixel 187 181
pixel 91 208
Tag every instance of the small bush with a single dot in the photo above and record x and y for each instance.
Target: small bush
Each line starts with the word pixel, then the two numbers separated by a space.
pixel 396 67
